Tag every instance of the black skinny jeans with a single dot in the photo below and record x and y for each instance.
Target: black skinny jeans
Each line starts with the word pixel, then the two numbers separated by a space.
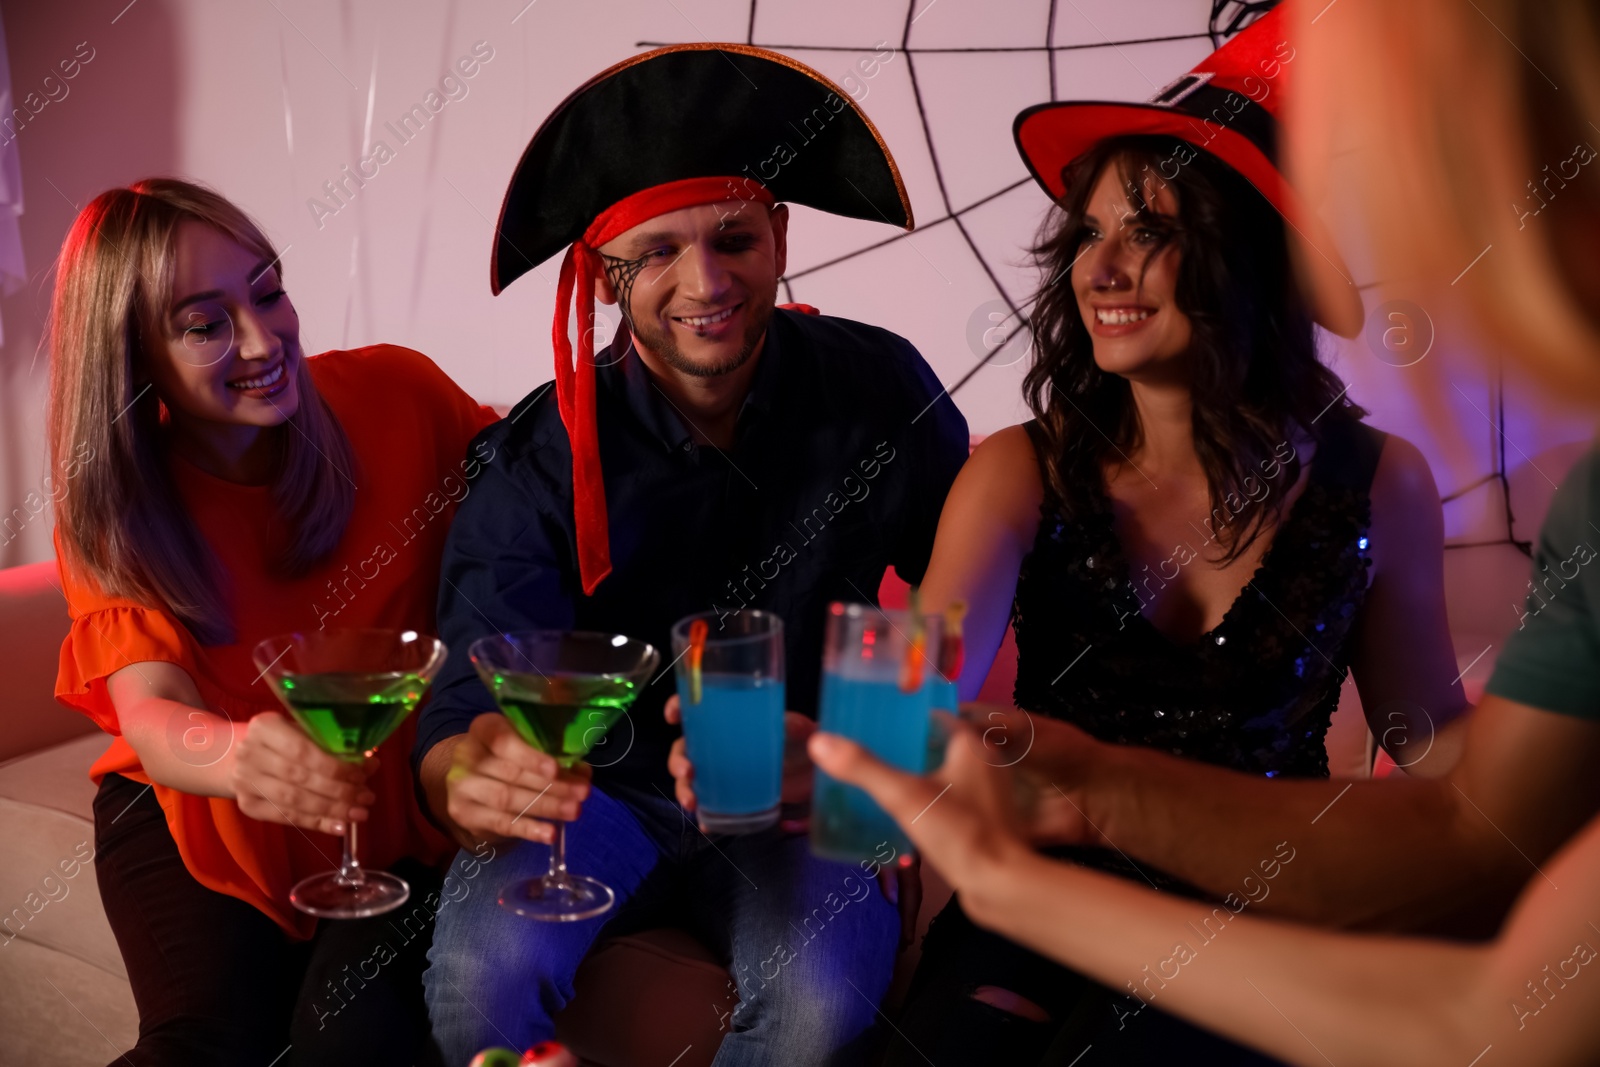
pixel 217 982
pixel 1090 1025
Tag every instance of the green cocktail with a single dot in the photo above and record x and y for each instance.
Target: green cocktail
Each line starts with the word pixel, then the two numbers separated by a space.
pixel 562 692
pixel 349 715
pixel 562 716
pixel 349 690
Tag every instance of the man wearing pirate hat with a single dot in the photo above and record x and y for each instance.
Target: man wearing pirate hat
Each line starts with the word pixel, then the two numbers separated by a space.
pixel 721 453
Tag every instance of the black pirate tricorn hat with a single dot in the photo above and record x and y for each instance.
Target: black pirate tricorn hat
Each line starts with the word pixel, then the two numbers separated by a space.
pixel 693 111
pixel 671 129
pixel 1229 106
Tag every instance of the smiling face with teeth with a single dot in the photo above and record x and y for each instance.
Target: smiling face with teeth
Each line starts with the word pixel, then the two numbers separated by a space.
pixel 697 286
pixel 228 356
pixel 1125 279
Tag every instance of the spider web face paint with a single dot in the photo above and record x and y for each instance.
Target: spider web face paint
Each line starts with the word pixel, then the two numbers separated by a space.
pixel 622 274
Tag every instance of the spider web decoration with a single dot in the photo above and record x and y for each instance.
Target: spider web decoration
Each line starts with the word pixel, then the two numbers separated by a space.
pixel 1227 17
pixel 1097 54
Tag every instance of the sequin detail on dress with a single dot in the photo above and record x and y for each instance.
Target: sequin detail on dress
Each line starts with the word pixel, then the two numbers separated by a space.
pixel 1255 693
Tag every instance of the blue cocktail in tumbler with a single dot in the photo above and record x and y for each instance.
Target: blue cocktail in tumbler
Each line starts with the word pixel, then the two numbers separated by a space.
pixel 876 692
pixel 731 694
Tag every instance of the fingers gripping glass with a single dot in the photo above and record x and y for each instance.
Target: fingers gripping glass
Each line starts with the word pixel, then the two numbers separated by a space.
pixel 349 690
pixel 562 691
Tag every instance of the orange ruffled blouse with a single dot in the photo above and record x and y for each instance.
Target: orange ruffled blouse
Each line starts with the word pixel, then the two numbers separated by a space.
pixel 410 428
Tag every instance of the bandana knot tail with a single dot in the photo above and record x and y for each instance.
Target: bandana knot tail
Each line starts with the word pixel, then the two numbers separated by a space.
pixel 575 399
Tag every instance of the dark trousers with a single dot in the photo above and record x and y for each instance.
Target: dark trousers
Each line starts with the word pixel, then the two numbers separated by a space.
pixel 217 982
pixel 1090 1025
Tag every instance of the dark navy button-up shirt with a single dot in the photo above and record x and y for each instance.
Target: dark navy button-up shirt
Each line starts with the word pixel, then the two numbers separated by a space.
pixel 843 452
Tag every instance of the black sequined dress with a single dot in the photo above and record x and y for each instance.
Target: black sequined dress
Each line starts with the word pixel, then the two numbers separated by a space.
pixel 1255 693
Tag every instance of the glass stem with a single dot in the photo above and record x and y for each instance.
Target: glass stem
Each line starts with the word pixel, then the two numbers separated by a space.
pixel 558 856
pixel 349 866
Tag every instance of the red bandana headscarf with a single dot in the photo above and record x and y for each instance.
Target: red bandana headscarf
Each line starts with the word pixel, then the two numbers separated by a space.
pixel 575 383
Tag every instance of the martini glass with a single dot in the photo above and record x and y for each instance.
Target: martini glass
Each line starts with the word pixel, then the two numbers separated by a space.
pixel 349 690
pixel 562 691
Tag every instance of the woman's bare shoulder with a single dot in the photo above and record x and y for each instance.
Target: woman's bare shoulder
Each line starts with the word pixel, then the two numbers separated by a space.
pixel 1403 472
pixel 1003 477
pixel 1006 450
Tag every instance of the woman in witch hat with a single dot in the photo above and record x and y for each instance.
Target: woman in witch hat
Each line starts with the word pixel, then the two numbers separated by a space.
pixel 1196 536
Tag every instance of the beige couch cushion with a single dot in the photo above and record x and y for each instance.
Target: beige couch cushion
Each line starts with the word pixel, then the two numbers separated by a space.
pixel 64 995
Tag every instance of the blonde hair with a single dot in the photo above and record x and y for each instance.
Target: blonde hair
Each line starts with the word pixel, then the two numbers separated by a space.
pixel 123 522
pixel 1459 108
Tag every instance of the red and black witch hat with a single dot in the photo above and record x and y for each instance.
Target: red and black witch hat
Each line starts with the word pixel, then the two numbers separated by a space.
pixel 670 129
pixel 1230 106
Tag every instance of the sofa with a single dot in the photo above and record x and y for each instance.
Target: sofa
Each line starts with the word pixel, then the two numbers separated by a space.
pixel 64 995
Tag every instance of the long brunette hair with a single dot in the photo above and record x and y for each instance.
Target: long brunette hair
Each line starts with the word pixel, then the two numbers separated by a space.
pixel 1254 373
pixel 122 521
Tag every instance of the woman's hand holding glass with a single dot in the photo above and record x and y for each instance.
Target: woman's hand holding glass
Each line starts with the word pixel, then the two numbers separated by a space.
pixel 1006 787
pixel 266 764
pixel 278 774
pixel 1055 767
pixel 962 817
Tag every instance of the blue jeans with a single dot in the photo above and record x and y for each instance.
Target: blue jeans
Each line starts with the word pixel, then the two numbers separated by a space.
pixel 811 943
